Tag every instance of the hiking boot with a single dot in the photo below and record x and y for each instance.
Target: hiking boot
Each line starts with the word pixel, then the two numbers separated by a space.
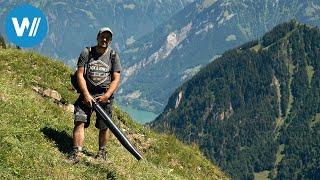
pixel 102 154
pixel 75 156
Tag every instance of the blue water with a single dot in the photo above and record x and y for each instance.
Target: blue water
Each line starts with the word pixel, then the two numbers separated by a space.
pixel 139 116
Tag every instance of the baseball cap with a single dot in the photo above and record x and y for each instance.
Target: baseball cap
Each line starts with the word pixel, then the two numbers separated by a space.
pixel 105 29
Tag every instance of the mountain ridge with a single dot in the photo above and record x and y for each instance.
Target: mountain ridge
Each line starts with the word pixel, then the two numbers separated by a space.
pixel 254 111
pixel 74 25
pixel 196 36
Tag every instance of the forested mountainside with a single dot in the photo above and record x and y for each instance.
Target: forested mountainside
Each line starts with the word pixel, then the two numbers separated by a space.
pixel 255 111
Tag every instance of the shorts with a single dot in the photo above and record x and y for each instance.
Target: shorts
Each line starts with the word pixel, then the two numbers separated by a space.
pixel 83 112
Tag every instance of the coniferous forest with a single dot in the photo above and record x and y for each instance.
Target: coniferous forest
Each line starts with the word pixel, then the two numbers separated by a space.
pixel 256 109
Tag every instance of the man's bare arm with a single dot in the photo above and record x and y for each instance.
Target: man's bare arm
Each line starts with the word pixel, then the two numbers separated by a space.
pixel 83 86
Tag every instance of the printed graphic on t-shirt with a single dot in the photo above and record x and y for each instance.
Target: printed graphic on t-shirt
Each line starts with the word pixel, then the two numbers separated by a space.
pixel 98 72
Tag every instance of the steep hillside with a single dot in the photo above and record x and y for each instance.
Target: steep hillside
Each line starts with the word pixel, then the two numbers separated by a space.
pixel 35 132
pixel 74 24
pixel 255 110
pixel 161 61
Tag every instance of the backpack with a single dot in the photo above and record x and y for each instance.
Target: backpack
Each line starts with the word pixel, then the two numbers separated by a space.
pixel 73 77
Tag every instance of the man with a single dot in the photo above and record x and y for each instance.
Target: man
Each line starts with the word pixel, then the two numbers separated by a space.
pixel 98 77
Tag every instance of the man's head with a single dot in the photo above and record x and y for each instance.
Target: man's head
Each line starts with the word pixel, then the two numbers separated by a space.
pixel 104 37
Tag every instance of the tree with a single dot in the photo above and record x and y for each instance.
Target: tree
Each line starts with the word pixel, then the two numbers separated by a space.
pixel 2 42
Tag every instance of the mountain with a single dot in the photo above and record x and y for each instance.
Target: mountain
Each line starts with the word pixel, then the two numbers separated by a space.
pixel 255 111
pixel 159 62
pixel 74 24
pixel 36 132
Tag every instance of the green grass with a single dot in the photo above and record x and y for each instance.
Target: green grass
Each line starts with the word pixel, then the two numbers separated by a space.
pixel 310 72
pixel 256 48
pixel 291 68
pixel 261 175
pixel 32 69
pixel 35 133
pixel 279 156
pixel 279 124
pixel 315 120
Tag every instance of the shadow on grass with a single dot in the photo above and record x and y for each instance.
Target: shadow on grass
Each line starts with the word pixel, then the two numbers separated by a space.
pixel 62 140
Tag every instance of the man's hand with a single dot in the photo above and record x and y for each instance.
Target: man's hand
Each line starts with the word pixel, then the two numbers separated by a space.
pixel 103 99
pixel 113 86
pixel 88 99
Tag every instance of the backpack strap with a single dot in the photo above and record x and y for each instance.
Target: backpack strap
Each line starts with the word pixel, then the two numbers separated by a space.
pixel 112 56
pixel 90 53
pixel 89 57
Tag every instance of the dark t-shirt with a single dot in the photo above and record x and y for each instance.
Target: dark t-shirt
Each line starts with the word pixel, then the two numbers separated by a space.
pixel 98 68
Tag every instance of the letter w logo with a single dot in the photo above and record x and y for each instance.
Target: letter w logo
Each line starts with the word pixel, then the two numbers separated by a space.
pixel 25 25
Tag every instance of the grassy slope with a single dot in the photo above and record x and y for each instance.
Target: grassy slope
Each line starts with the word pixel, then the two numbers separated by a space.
pixel 35 133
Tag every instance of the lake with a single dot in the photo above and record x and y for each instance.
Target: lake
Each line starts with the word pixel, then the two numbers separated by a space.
pixel 139 116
